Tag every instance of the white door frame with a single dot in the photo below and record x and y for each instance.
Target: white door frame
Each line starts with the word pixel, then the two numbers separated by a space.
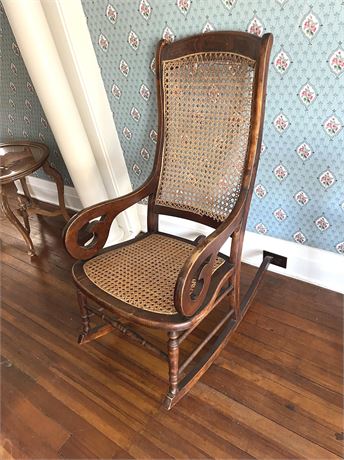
pixel 68 26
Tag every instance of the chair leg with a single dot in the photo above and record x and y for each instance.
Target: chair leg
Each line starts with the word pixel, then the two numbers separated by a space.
pixel 85 316
pixel 234 297
pixel 178 389
pixel 173 362
pixel 235 259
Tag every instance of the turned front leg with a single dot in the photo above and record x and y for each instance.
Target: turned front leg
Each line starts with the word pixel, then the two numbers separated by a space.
pixel 85 316
pixel 173 360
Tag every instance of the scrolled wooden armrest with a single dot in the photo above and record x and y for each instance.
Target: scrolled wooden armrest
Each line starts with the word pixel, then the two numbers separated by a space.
pixel 96 221
pixel 196 275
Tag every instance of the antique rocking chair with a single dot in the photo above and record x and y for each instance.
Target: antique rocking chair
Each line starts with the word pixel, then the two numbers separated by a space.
pixel 211 96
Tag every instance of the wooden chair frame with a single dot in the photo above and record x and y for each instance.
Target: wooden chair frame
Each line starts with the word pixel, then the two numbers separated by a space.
pixel 224 283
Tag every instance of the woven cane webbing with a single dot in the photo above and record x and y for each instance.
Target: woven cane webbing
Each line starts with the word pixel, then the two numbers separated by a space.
pixel 143 273
pixel 207 114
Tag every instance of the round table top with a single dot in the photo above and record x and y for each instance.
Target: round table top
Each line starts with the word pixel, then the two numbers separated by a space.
pixel 19 159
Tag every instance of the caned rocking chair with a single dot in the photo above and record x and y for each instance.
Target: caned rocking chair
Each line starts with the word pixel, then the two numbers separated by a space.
pixel 211 97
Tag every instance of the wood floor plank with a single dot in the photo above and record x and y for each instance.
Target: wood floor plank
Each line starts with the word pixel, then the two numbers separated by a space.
pixel 230 428
pixel 108 421
pixel 15 403
pixel 172 443
pixel 145 447
pixel 41 286
pixel 319 330
pixel 304 306
pixel 296 443
pixel 272 406
pixel 9 451
pixel 53 275
pixel 58 347
pixel 46 402
pixel 310 298
pixel 309 354
pixel 309 375
pixel 282 383
pixel 89 444
pixel 190 430
pixel 21 436
pixel 325 374
pixel 329 351
pixel 100 364
pixel 78 370
pixel 84 440
pixel 24 357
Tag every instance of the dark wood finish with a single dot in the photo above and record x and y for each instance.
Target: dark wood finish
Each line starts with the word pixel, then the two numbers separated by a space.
pixel 111 324
pixel 146 318
pixel 204 343
pixel 17 161
pixel 52 172
pixel 173 361
pixel 192 303
pixel 274 392
pixel 6 209
pixel 85 316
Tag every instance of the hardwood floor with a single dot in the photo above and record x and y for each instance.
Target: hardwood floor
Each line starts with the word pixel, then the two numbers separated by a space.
pixel 275 391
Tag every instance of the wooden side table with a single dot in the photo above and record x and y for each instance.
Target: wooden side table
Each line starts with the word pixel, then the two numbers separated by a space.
pixel 18 160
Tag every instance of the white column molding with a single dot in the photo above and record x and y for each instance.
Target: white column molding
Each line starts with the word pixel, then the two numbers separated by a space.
pixel 37 46
pixel 68 26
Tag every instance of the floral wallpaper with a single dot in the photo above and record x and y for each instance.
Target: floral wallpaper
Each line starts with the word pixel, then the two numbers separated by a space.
pixel 21 114
pixel 299 192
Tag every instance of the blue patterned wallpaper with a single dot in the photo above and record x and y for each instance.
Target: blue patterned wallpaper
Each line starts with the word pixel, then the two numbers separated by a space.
pixel 21 114
pixel 299 192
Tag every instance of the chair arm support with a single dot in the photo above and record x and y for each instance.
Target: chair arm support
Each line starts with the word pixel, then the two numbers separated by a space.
pixel 96 221
pixel 195 277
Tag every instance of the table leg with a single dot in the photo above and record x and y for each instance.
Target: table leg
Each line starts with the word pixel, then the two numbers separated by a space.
pixel 13 219
pixel 22 210
pixel 25 189
pixel 24 203
pixel 52 172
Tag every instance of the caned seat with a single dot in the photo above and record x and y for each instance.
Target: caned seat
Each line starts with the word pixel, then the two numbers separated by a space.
pixel 143 273
pixel 211 98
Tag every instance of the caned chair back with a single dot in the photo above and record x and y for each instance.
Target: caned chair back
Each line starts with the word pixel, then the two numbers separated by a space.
pixel 206 110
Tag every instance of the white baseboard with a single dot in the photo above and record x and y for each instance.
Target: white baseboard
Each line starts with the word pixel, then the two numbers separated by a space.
pixel 45 190
pixel 315 266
